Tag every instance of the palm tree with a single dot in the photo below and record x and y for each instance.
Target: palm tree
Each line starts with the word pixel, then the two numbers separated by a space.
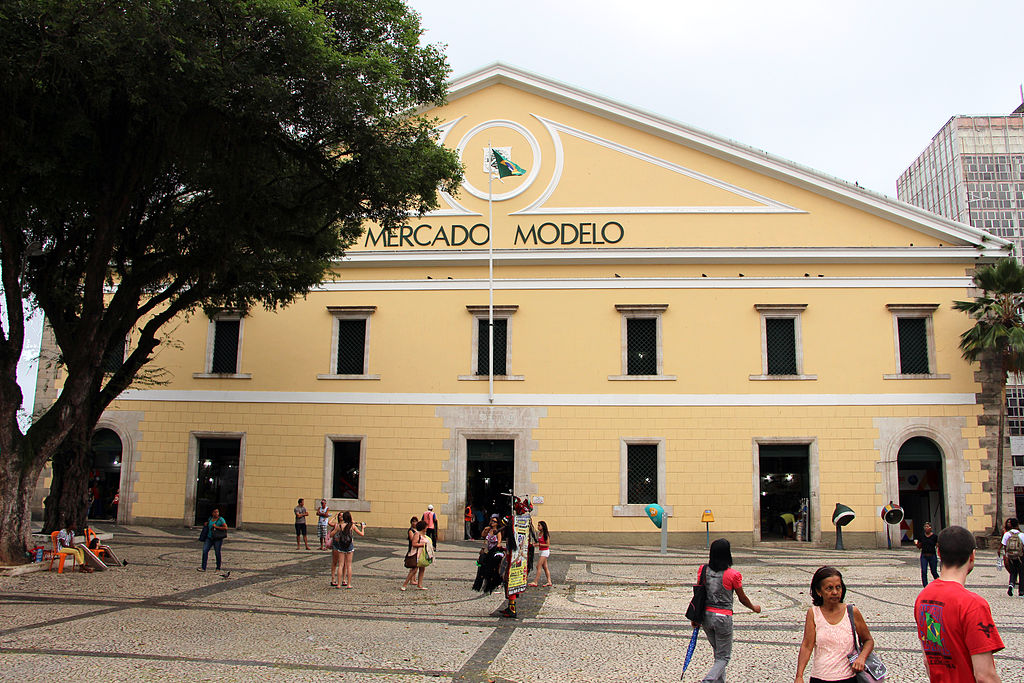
pixel 997 337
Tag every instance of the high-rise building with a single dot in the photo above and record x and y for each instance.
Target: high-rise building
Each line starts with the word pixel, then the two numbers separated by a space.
pixel 973 172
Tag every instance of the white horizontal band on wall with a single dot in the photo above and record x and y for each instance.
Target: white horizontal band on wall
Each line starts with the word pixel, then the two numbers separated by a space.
pixel 675 255
pixel 518 284
pixel 669 400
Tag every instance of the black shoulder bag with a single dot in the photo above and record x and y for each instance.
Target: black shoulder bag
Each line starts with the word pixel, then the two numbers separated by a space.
pixel 699 601
pixel 874 670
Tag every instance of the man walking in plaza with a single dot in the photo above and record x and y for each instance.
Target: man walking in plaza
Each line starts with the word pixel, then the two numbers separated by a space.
pixel 929 561
pixel 300 524
pixel 958 635
pixel 431 519
pixel 1012 551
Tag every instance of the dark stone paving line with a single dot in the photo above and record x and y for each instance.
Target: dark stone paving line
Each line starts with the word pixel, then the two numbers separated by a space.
pixel 61 620
pixel 475 668
pixel 158 601
pixel 530 603
pixel 225 662
pixel 527 620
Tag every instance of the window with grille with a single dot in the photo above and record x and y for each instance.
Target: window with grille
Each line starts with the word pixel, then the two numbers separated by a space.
pixel 781 342
pixel 345 478
pixel 641 473
pixel 913 341
pixel 113 359
pixel 780 345
pixel 224 359
pixel 351 359
pixel 350 344
pixel 502 315
pixel 641 346
pixel 500 346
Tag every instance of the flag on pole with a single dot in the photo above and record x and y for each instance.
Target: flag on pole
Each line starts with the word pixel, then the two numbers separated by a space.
pixel 505 167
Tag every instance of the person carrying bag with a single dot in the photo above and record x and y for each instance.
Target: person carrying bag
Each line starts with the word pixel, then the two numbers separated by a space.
pixel 426 553
pixel 417 541
pixel 218 531
pixel 719 583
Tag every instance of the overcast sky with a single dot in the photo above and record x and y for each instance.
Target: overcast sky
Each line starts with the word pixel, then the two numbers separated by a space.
pixel 854 89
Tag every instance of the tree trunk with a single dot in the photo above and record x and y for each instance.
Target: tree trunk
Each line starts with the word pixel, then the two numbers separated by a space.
pixel 997 516
pixel 16 486
pixel 68 501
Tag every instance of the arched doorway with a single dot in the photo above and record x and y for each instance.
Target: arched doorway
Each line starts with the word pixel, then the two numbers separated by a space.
pixel 105 475
pixel 922 494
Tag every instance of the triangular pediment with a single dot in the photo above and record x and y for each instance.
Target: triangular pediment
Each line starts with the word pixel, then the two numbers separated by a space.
pixel 627 181
pixel 589 158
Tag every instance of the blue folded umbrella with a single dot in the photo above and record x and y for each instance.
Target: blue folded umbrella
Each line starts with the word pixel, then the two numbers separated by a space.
pixel 689 651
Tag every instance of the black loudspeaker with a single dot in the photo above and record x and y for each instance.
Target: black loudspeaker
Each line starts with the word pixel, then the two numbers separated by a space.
pixel 842 516
pixel 892 514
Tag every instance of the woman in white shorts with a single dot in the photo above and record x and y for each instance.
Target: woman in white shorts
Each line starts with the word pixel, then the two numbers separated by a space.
pixel 544 546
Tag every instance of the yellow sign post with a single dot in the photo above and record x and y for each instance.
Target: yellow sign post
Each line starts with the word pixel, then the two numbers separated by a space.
pixel 707 518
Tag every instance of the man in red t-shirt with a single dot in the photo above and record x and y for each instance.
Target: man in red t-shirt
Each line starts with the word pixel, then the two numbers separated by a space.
pixel 955 625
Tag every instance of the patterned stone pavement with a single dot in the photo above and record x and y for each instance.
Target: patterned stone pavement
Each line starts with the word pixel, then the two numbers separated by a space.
pixel 615 614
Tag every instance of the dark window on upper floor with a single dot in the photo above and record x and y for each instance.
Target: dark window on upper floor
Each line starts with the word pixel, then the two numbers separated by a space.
pixel 642 346
pixel 351 346
pixel 780 345
pixel 225 346
pixel 500 346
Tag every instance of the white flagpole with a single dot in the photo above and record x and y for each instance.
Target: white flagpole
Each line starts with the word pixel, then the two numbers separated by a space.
pixel 490 283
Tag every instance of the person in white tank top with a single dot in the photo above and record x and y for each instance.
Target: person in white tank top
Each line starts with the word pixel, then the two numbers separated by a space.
pixel 828 634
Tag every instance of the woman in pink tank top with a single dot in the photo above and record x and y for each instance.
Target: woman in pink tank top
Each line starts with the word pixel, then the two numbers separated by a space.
pixel 828 633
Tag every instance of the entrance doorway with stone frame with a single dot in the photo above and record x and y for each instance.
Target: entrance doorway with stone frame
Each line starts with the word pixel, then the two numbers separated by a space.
pixel 216 473
pixel 105 474
pixel 513 424
pixel 785 476
pixel 490 476
pixel 922 494
pixel 946 434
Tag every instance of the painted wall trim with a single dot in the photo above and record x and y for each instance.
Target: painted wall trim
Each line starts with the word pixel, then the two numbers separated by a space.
pixel 681 255
pixel 682 400
pixel 625 283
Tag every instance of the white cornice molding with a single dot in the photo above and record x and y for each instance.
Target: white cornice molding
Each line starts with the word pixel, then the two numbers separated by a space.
pixel 669 255
pixel 623 283
pixel 677 400
pixel 729 150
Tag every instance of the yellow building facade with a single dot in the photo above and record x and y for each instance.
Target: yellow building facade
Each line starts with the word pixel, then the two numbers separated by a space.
pixel 679 319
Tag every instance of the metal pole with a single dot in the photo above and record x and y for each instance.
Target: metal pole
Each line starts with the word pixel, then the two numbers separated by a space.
pixel 490 283
pixel 664 534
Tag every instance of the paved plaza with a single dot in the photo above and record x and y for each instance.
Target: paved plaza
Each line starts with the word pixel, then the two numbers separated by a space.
pixel 615 614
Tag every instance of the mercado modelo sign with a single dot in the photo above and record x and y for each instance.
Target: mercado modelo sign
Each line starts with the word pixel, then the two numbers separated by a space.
pixel 456 235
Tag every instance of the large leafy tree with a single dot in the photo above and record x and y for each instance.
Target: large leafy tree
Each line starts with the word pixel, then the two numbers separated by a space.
pixel 997 340
pixel 158 156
